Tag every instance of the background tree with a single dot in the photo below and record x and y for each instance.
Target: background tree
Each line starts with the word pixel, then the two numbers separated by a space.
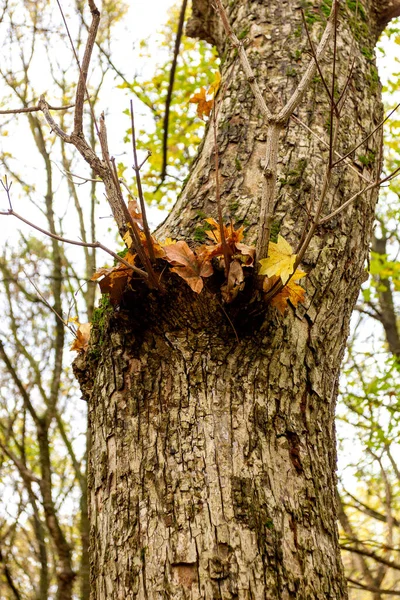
pixel 44 522
pixel 369 513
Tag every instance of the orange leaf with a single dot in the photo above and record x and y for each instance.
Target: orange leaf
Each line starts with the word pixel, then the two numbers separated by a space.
pixel 292 291
pixel 157 248
pixel 134 211
pixel 269 282
pixel 204 106
pixel 81 342
pixel 296 292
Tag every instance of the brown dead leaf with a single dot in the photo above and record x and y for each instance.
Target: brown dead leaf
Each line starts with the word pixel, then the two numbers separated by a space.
pixel 233 239
pixel 114 279
pixel 247 253
pixel 81 342
pixel 269 283
pixel 234 283
pixel 232 235
pixel 187 265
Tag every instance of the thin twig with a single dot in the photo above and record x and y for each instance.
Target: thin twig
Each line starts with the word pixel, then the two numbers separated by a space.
pixel 136 168
pixel 370 588
pixel 367 137
pixel 81 88
pixel 31 109
pixel 332 111
pixel 44 107
pixel 316 59
pixel 76 242
pixel 67 173
pixel 7 188
pixel 65 323
pixel 118 205
pixel 348 161
pixel 88 52
pixel 305 81
pixel 355 196
pixel 342 98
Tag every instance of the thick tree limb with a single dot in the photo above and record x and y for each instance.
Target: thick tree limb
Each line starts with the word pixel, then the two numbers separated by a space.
pixel 385 11
pixel 81 89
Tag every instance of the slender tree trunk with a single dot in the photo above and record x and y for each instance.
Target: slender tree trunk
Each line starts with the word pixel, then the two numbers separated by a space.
pixel 212 468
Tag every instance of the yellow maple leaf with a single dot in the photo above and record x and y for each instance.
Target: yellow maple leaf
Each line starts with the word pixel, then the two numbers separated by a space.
pixel 280 260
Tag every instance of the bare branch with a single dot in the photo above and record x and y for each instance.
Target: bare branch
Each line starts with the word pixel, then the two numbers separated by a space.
pixel 389 563
pixel 82 78
pixel 225 248
pixel 44 107
pixel 371 588
pixel 77 243
pixel 31 109
pixel 379 126
pixel 310 43
pixel 169 92
pixel 25 472
pixel 80 91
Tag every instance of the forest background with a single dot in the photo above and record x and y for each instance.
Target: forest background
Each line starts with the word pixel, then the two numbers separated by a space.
pixel 43 511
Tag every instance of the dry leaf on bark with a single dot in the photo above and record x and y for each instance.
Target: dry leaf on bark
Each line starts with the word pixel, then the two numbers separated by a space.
pixel 81 342
pixel 233 239
pixel 114 279
pixel 187 265
pixel 232 235
pixel 234 283
pixel 157 247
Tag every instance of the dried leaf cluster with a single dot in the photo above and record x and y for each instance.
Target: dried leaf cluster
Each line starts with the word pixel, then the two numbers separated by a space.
pixel 195 265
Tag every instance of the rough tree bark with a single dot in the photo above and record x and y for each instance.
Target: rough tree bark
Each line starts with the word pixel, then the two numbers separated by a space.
pixel 212 466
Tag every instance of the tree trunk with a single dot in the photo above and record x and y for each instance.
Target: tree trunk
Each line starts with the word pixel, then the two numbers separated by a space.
pixel 212 467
